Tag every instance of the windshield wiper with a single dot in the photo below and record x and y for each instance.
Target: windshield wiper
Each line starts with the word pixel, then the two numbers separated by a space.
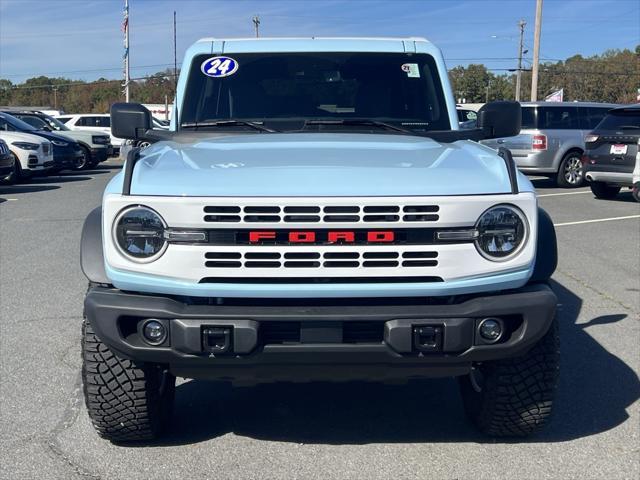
pixel 229 123
pixel 359 121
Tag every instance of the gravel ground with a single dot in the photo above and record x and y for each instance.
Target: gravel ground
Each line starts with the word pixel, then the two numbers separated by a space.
pixel 317 430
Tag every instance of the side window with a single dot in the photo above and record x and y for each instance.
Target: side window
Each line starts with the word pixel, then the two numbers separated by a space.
pixel 3 125
pixel 86 122
pixel 64 119
pixel 102 121
pixel 528 118
pixel 595 116
pixel 558 118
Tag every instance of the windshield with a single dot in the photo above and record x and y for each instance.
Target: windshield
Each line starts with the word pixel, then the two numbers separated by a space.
pixel 402 89
pixel 16 123
pixel 55 124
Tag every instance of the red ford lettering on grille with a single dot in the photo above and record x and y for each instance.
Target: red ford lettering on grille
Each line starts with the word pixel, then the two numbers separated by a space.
pixel 320 237
pixel 256 237
pixel 335 237
pixel 382 237
pixel 302 237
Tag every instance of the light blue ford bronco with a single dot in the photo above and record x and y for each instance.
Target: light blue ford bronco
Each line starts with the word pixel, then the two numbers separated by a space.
pixel 315 213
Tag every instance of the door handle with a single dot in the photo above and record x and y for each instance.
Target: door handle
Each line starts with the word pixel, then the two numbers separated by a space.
pixel 500 141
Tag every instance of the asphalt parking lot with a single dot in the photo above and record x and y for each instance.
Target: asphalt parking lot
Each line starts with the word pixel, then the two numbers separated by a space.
pixel 315 431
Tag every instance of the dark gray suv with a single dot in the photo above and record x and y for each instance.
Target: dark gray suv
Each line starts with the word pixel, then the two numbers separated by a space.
pixel 551 141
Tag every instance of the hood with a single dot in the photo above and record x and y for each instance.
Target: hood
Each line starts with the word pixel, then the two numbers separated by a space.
pixel 319 164
pixel 75 135
pixel 52 136
pixel 11 137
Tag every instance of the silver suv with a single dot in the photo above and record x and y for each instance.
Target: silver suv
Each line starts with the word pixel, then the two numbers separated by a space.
pixel 551 141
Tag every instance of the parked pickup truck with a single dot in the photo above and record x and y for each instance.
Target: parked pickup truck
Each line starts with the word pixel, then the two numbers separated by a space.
pixel 315 213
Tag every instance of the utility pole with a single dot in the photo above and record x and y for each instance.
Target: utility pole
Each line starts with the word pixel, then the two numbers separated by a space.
pixel 125 57
pixel 175 56
pixel 256 24
pixel 536 52
pixel 55 97
pixel 521 25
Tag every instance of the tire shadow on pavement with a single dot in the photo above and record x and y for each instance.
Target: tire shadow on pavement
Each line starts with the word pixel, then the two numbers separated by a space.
pixel 15 189
pixel 595 389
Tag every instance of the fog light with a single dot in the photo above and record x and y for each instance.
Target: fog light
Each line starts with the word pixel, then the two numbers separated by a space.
pixel 490 329
pixel 154 332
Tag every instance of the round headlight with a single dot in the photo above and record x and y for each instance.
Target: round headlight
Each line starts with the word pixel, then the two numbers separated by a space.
pixel 139 233
pixel 502 232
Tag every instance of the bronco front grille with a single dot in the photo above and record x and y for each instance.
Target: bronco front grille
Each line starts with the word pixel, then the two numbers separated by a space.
pixel 315 214
pixel 320 260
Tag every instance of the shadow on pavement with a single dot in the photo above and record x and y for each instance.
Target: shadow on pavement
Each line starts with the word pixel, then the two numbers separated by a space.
pixel 546 182
pixel 595 389
pixel 15 189
pixel 78 177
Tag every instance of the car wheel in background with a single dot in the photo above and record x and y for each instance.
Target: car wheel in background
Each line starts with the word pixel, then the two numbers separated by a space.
pixel 603 191
pixel 85 161
pixel 16 175
pixel 570 173
pixel 636 192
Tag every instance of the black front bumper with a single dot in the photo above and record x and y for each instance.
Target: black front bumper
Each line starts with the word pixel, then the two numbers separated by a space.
pixel 340 341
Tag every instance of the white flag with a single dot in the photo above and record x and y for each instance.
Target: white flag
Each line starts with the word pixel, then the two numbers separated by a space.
pixel 556 96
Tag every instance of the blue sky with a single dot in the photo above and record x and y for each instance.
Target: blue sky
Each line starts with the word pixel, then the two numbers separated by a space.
pixel 81 39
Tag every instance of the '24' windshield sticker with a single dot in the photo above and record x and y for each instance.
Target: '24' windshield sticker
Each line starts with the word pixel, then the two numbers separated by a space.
pixel 219 67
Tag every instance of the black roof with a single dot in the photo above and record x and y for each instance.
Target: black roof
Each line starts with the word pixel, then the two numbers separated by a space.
pixel 628 108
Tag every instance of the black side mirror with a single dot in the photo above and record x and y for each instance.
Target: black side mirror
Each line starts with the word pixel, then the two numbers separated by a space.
pixel 500 119
pixel 130 121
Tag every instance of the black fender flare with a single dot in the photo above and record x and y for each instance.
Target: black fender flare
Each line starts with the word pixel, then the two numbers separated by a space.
pixel 91 253
pixel 546 249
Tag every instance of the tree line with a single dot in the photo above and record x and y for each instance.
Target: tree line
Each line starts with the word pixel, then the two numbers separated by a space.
pixel 613 76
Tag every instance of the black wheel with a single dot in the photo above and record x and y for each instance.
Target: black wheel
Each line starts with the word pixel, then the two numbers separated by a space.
pixel 636 192
pixel 126 401
pixel 85 161
pixel 16 175
pixel 603 191
pixel 570 173
pixel 513 397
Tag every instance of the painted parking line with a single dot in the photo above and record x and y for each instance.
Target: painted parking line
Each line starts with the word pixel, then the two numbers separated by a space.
pixel 564 193
pixel 596 220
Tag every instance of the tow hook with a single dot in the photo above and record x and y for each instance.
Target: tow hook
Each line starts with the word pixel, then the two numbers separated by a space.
pixel 216 340
pixel 427 339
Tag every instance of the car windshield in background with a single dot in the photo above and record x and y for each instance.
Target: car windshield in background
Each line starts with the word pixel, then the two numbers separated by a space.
pixel 400 89
pixel 55 124
pixel 621 120
pixel 32 120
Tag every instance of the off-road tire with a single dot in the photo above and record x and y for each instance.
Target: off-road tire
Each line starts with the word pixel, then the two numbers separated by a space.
pixel 126 401
pixel 603 191
pixel 570 162
pixel 516 394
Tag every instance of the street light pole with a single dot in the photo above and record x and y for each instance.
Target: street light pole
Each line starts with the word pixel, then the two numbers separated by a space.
pixel 536 52
pixel 521 24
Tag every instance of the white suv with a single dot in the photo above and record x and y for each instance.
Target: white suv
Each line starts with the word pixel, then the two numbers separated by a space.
pixel 92 122
pixel 31 152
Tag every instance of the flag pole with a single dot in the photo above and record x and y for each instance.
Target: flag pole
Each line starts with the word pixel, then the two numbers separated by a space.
pixel 125 57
